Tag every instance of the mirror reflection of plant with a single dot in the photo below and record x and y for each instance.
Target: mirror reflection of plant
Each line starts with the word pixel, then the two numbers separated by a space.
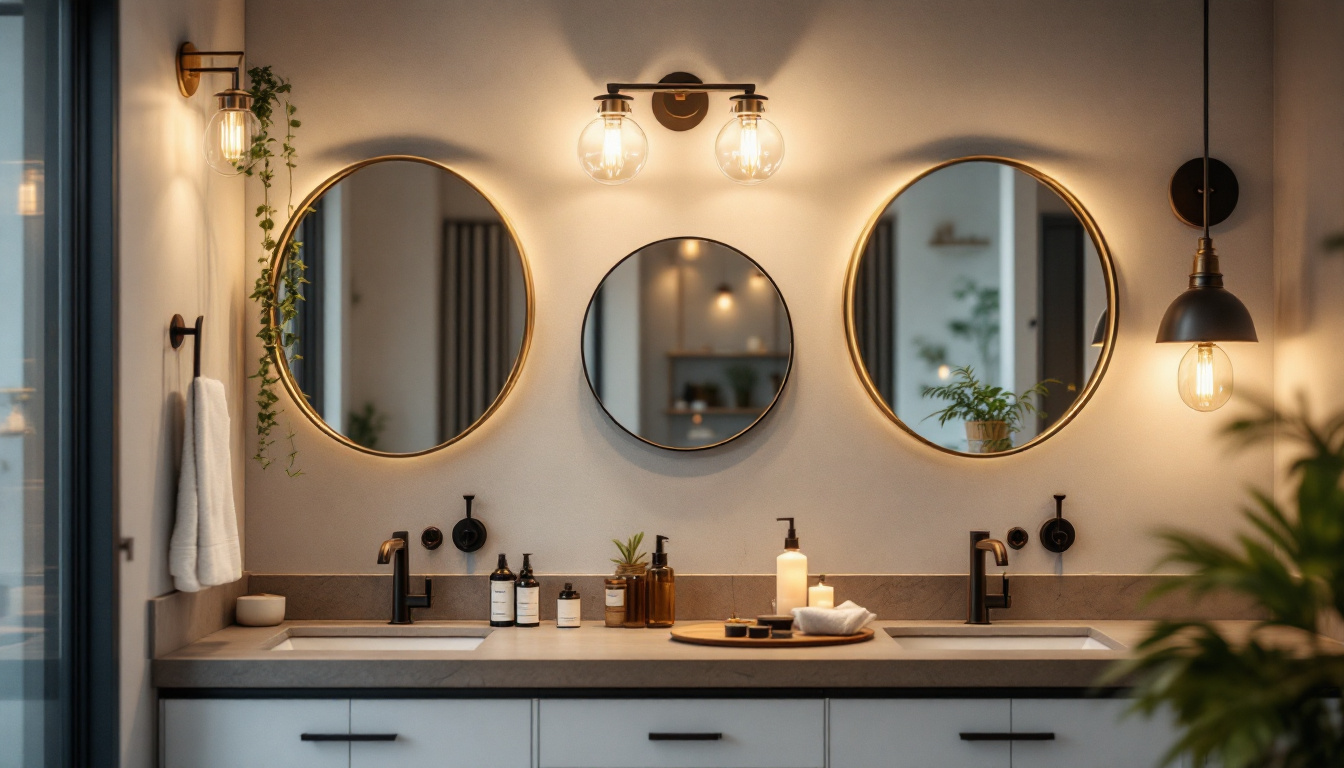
pixel 982 327
pixel 366 426
pixel 1249 701
pixel 271 102
pixel 969 399
pixel 742 378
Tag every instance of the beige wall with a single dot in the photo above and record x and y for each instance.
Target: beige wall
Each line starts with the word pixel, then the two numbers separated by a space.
pixel 1309 202
pixel 181 251
pixel 1102 96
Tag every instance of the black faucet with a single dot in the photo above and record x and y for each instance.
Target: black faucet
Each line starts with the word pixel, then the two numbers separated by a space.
pixel 978 602
pixel 395 550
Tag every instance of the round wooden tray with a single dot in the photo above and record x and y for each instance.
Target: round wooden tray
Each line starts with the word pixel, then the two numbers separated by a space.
pixel 712 634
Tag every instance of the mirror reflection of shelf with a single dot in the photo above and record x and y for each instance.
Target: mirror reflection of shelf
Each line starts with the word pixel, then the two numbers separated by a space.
pixel 729 355
pixel 715 411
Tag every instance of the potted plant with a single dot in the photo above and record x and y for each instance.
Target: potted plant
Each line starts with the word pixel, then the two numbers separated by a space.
pixel 992 414
pixel 742 378
pixel 630 571
pixel 1248 699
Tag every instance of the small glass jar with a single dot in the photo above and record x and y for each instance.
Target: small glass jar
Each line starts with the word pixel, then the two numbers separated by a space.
pixel 636 601
pixel 615 603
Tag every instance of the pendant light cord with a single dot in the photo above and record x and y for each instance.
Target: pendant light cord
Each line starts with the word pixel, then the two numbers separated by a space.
pixel 1206 120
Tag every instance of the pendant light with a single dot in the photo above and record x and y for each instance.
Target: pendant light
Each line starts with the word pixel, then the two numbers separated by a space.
pixel 1206 312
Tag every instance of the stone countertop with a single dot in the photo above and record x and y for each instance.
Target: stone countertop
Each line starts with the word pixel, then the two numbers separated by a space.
pixel 597 657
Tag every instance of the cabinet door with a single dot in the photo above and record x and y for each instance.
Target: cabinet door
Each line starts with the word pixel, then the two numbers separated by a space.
pixel 682 733
pixel 246 733
pixel 481 733
pixel 1089 733
pixel 919 733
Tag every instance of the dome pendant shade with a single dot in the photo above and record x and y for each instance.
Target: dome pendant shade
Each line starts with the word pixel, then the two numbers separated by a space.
pixel 1206 311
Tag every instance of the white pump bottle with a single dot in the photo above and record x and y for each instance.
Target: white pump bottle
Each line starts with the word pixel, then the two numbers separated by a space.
pixel 790 574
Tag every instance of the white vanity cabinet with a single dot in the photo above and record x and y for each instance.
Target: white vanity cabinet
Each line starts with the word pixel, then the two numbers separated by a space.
pixel 334 733
pixel 994 733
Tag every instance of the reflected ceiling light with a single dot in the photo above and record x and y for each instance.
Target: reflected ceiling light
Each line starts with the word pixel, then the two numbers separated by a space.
pixel 233 128
pixel 724 299
pixel 613 149
pixel 1206 312
pixel 690 249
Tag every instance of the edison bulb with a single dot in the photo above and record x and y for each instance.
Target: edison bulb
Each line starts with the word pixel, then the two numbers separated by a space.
pixel 230 133
pixel 749 149
pixel 613 148
pixel 1204 378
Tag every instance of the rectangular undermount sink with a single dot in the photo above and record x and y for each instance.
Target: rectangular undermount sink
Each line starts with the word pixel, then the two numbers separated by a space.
pixel 305 639
pixel 1005 638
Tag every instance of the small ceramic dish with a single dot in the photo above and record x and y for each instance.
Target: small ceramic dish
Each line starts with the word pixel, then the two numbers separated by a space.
pixel 260 610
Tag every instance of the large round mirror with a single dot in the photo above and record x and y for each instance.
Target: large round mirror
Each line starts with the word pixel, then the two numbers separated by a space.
pixel 980 306
pixel 416 313
pixel 687 343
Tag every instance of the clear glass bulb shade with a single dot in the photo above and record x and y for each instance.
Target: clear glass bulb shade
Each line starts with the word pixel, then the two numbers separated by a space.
pixel 613 149
pixel 228 140
pixel 1204 377
pixel 749 149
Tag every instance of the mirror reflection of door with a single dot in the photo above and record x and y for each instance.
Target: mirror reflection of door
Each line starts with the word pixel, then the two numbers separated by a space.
pixel 977 265
pixel 415 309
pixel 686 343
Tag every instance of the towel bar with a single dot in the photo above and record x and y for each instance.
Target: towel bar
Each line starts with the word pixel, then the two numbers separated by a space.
pixel 178 330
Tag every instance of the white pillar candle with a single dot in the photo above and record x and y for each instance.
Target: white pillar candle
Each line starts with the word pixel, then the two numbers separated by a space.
pixel 821 596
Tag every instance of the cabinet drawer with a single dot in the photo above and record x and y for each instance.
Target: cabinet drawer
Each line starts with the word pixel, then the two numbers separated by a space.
pixel 442 734
pixel 245 733
pixel 918 733
pixel 682 733
pixel 1088 734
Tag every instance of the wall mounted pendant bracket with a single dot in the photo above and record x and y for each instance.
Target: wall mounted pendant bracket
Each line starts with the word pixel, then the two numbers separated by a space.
pixel 681 100
pixel 1187 192
pixel 191 63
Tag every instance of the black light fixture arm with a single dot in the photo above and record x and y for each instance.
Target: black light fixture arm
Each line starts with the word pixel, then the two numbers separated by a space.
pixel 746 88
pixel 191 65
pixel 1205 189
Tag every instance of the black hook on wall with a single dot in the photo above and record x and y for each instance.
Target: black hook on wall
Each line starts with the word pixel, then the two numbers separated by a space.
pixel 178 331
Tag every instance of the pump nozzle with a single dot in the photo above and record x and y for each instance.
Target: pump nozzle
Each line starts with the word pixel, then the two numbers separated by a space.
pixel 659 556
pixel 791 539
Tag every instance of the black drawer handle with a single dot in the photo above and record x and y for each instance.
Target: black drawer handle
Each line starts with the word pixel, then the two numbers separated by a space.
pixel 1007 737
pixel 685 736
pixel 348 737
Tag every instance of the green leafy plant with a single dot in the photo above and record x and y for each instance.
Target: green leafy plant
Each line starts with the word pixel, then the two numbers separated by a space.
pixel 970 399
pixel 742 378
pixel 630 554
pixel 1254 701
pixel 982 327
pixel 365 426
pixel 271 102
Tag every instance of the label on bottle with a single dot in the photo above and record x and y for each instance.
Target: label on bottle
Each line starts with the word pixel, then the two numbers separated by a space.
pixel 529 605
pixel 501 601
pixel 567 613
pixel 615 598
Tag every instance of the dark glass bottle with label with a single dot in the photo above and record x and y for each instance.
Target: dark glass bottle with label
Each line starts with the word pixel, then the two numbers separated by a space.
pixel 662 590
pixel 528 592
pixel 501 595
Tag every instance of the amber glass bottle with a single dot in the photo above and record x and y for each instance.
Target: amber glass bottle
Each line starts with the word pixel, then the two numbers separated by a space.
pixel 662 589
pixel 636 601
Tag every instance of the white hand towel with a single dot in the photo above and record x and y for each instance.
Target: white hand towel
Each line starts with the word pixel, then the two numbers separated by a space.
pixel 204 550
pixel 845 619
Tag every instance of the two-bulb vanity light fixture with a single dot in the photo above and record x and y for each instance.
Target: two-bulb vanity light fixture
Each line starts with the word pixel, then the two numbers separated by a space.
pixel 1204 192
pixel 233 128
pixel 613 148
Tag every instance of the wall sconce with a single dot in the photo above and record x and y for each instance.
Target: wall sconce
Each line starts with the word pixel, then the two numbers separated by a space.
pixel 1206 312
pixel 231 131
pixel 613 148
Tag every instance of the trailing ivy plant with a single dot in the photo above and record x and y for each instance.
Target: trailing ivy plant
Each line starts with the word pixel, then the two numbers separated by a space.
pixel 271 104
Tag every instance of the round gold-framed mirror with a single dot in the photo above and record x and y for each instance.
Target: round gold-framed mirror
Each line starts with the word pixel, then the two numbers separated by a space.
pixel 981 306
pixel 687 344
pixel 417 310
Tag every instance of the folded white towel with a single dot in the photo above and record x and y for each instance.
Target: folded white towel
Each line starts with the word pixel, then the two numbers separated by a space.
pixel 845 619
pixel 204 549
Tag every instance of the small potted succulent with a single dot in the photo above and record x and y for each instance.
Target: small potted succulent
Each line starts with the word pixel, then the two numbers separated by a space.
pixel 992 414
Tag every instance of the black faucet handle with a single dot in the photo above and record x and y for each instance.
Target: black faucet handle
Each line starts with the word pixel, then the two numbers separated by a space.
pixel 1007 598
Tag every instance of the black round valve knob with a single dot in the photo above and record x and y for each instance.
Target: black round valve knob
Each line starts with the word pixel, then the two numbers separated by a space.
pixel 469 533
pixel 1057 534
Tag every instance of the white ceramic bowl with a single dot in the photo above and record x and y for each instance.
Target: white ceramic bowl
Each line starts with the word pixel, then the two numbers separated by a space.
pixel 260 610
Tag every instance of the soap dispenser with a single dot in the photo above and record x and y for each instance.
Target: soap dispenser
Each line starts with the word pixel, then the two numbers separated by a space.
pixel 790 574
pixel 662 589
pixel 501 594
pixel 528 590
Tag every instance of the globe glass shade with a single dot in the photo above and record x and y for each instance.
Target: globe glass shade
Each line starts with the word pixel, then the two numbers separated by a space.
pixel 1204 377
pixel 749 149
pixel 613 149
pixel 228 140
